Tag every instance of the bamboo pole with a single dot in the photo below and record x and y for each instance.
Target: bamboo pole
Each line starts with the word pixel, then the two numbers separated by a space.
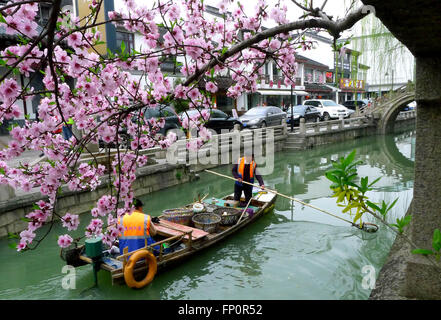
pixel 282 195
pixel 244 210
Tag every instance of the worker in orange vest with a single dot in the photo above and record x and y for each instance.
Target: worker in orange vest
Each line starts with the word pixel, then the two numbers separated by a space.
pixel 138 228
pixel 245 170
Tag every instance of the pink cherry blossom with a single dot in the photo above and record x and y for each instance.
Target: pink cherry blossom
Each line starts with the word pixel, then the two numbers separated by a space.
pixel 64 241
pixel 210 86
pixel 110 92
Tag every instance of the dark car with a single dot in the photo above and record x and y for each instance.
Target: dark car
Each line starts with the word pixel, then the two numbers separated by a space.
pixel 172 123
pixel 352 104
pixel 263 116
pixel 218 120
pixel 309 113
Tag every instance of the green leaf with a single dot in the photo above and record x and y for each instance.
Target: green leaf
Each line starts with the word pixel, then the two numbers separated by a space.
pixel 332 177
pixel 373 206
pixel 436 241
pixel 422 251
pixel 375 181
pixel 35 206
pixel 2 171
pixel 12 235
pixel 393 203
pixel 406 220
pixel 12 245
pixel 364 182
pixel 123 47
pixel 350 158
pixel 2 19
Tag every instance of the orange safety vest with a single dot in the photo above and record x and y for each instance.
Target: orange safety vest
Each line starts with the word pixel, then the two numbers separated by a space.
pixel 136 230
pixel 241 167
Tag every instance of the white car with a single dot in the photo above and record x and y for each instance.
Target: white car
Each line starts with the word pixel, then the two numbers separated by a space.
pixel 328 109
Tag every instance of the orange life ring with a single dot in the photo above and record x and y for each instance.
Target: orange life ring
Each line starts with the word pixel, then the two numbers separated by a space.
pixel 128 270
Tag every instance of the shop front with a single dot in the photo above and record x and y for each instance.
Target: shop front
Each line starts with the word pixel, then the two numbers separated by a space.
pixel 351 90
pixel 276 98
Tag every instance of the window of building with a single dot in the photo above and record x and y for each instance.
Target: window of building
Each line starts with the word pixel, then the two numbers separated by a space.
pixel 308 75
pixel 224 102
pixel 266 68
pixel 318 76
pixel 127 38
pixel 275 71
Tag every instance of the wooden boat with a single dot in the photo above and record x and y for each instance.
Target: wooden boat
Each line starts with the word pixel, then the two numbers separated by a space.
pixel 190 240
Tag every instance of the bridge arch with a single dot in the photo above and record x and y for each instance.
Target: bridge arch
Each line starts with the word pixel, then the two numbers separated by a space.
pixel 391 110
pixel 390 149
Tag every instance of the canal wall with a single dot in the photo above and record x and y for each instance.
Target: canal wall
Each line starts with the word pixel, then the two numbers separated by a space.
pixel 184 165
pixel 391 279
pixel 149 179
pixel 310 135
pixel 165 169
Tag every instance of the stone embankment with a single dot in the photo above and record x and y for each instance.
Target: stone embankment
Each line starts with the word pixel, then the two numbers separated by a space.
pixel 177 165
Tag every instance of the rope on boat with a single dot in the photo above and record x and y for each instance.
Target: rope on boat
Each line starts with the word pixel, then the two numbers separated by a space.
pixel 367 227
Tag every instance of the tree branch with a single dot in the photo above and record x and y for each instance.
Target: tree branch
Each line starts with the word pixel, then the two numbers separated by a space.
pixel 334 27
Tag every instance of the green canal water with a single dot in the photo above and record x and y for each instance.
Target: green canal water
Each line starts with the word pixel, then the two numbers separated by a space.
pixel 291 253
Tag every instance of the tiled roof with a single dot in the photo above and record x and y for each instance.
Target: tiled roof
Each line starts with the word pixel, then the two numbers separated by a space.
pixel 308 61
pixel 313 87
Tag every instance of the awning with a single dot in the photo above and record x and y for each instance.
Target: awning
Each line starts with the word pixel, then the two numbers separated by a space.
pixel 282 92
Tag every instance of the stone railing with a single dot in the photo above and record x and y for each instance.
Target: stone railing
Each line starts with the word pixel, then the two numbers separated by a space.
pixel 329 126
pixel 225 143
pixel 404 115
pixel 388 97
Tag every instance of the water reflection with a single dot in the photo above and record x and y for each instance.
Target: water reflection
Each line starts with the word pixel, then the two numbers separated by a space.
pixel 293 253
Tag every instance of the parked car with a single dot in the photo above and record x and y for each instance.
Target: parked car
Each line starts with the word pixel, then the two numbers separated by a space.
pixel 410 106
pixel 172 123
pixel 218 120
pixel 352 104
pixel 328 109
pixel 263 116
pixel 309 113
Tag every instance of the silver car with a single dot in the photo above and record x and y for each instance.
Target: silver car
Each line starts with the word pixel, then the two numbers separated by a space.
pixel 262 116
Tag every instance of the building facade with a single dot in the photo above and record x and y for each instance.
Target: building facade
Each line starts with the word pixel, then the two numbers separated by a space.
pixel 350 76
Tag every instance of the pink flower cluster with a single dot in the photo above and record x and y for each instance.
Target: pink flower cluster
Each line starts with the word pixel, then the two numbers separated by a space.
pixel 65 241
pixel 21 20
pixel 70 221
pixel 111 93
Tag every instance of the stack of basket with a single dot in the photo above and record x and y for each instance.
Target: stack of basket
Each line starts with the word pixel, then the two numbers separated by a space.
pixel 228 216
pixel 206 221
pixel 179 215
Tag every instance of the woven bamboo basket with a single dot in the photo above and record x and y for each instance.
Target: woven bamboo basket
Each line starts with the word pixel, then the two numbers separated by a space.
pixel 206 221
pixel 231 216
pixel 179 215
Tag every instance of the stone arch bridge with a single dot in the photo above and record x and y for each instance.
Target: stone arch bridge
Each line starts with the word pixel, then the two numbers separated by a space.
pixel 386 111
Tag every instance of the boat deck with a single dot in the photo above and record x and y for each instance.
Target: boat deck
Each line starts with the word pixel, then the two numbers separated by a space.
pixel 261 203
pixel 170 229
